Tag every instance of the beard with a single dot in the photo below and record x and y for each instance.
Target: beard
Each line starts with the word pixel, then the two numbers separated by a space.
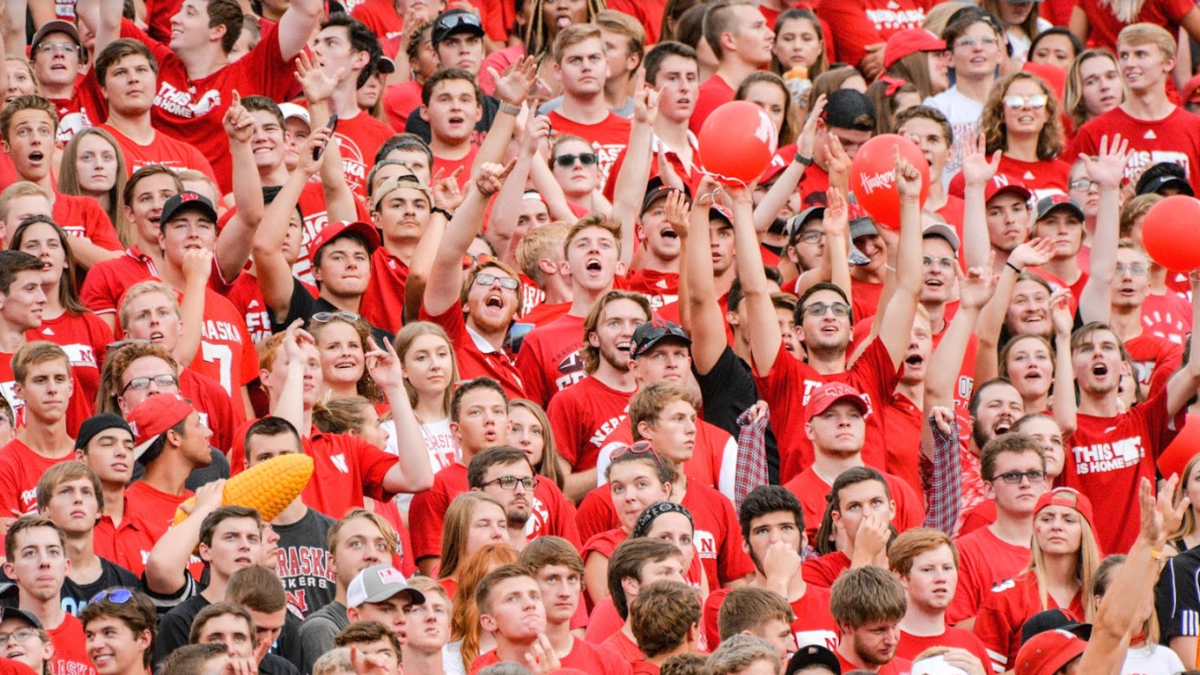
pixel 871 658
pixel 517 516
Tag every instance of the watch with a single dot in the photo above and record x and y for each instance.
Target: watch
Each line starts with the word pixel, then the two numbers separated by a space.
pixel 509 108
pixel 801 159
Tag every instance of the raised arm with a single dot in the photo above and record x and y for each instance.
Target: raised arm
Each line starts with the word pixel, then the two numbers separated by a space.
pixel 506 207
pixel 297 25
pixel 445 278
pixel 630 188
pixel 107 22
pixel 167 566
pixel 1095 301
pixel 896 329
pixel 991 320
pixel 412 473
pixel 289 401
pixel 512 89
pixel 785 186
pixel 706 323
pixel 976 289
pixel 318 87
pixel 1182 386
pixel 234 242
pixel 446 196
pixel 977 171
pixel 1065 406
pixel 197 268
pixel 765 333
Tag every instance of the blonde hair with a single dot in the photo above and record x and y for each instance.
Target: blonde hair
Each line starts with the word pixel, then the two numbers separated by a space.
pixel 146 288
pixel 540 242
pixel 1050 138
pixel 456 529
pixel 21 188
pixel 1087 561
pixel 1073 103
pixel 1188 525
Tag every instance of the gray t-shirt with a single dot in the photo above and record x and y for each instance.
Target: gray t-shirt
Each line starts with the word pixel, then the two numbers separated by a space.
pixel 304 563
pixel 317 633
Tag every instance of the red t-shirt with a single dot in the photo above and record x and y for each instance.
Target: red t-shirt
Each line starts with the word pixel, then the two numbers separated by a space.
pixel 84 338
pixel 360 137
pixel 549 359
pixel 691 175
pixel 897 666
pixel 143 525
pixel 822 571
pixel 1156 358
pixel 814 625
pixel 542 313
pixel 400 101
pixel 585 417
pixel 226 353
pixel 383 302
pixel 551 513
pixel 169 152
pixel 347 469
pixel 866 296
pixel 661 288
pixel 1174 138
pixel 214 405
pixel 1006 609
pixel 20 470
pixel 812 491
pixel 83 217
pixel 1108 457
pixel 1042 178
pixel 649 13
pixel 473 361
pixel 448 166
pixel 609 136
pixel 70 648
pixel 902 427
pixel 858 23
pixel 786 389
pixel 620 644
pixel 1167 315
pixel 1104 26
pixel 192 110
pixel 984 560
pixel 714 93
pixel 591 659
pixel 381 17
pixel 107 281
pixel 73 115
pixel 911 645
pixel 78 407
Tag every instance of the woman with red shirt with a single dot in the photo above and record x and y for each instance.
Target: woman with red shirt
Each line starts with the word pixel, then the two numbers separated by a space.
pixel 1064 559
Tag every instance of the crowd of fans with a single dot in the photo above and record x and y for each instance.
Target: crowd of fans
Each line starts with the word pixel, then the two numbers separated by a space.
pixel 573 405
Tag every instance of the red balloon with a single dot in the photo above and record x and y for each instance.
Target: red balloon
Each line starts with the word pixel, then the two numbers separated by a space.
pixel 872 174
pixel 1174 459
pixel 1171 233
pixel 737 142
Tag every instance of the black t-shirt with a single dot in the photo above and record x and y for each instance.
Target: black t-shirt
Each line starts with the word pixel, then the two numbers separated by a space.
pixel 175 627
pixel 305 563
pixel 76 596
pixel 274 665
pixel 304 305
pixel 418 126
pixel 728 391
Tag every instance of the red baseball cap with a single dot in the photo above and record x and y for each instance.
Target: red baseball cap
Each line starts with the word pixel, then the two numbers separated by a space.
pixel 910 41
pixel 333 230
pixel 1064 496
pixel 1047 652
pixel 830 393
pixel 153 417
pixel 1001 183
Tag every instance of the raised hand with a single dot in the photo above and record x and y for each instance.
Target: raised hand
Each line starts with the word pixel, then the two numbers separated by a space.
pixel 369 664
pixel 541 658
pixel 1108 168
pixel 977 169
pixel 1035 252
pixel 837 214
pixel 977 286
pixel 838 161
pixel 197 265
pixel 804 144
pixel 209 497
pixel 446 192
pixel 943 417
pixel 516 85
pixel 706 192
pixel 238 123
pixel 666 172
pixel 1160 517
pixel 1060 312
pixel 873 534
pixel 384 366
pixel 908 179
pixel 781 561
pixel 537 133
pixel 677 210
pixel 645 101
pixel 317 85
pixel 312 154
pixel 492 176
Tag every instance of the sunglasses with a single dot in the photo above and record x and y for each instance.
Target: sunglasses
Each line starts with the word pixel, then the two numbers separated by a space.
pixel 326 317
pixel 119 596
pixel 1036 102
pixel 568 161
pixel 490 279
pixel 469 260
pixel 639 448
pixel 463 19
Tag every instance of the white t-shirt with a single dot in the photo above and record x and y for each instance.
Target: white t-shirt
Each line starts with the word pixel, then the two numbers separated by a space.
pixel 1151 660
pixel 439 443
pixel 963 114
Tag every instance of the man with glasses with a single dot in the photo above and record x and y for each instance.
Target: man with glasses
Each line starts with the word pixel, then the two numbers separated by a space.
pixel 22 639
pixel 1013 469
pixel 55 54
pixel 533 506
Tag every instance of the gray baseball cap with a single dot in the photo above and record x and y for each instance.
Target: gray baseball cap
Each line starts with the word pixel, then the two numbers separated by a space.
pixel 378 583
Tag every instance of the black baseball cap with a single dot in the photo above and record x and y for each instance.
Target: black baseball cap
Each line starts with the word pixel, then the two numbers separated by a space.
pixel 656 190
pixel 845 107
pixel 797 222
pixel 1054 619
pixel 813 655
pixel 7 613
pixel 1162 176
pixel 187 201
pixel 453 22
pixel 96 424
pixel 1058 201
pixel 649 334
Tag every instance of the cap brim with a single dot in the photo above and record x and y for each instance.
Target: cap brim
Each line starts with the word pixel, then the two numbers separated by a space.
pixel 414 596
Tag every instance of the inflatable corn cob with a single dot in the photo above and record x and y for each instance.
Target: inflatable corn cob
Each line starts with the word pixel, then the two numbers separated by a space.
pixel 268 487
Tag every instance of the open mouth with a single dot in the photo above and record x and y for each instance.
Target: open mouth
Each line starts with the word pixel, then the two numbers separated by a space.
pixel 36 156
pixel 1033 375
pixel 156 336
pixel 1002 427
pixel 623 346
pixel 594 266
pixel 1100 370
pixel 494 301
pixel 915 360
pixel 562 21
pixel 345 365
pixel 668 233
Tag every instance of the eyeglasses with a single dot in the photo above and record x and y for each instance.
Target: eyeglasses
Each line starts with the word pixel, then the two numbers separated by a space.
pixel 510 483
pixel 811 237
pixel 1133 269
pixel 469 260
pixel 119 596
pixel 968 42
pixel 51 47
pixel 326 317
pixel 20 635
pixel 160 381
pixel 1014 477
pixel 1082 184
pixel 819 309
pixel 490 279
pixel 1036 102
pixel 568 161
pixel 944 263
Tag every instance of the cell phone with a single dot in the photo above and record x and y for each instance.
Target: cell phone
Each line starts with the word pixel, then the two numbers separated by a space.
pixel 332 126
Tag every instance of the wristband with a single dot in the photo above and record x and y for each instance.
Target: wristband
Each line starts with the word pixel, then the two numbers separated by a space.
pixel 510 109
pixel 446 214
pixel 801 159
pixel 1016 269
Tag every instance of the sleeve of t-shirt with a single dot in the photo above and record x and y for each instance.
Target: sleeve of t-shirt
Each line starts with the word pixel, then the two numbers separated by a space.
pixel 848 21
pixel 425 516
pixel 1177 8
pixel 173 631
pixel 993 627
pixel 98 227
pixel 94 292
pixel 875 374
pixel 161 52
pixel 1083 144
pixel 565 516
pixel 564 426
pixel 708 618
pixel 417 125
pixel 10 489
pixel 529 364
pixel 266 67
pixel 374 464
pixel 966 594
pixel 782 387
pixel 593 517
pixel 1158 423
pixel 301 307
